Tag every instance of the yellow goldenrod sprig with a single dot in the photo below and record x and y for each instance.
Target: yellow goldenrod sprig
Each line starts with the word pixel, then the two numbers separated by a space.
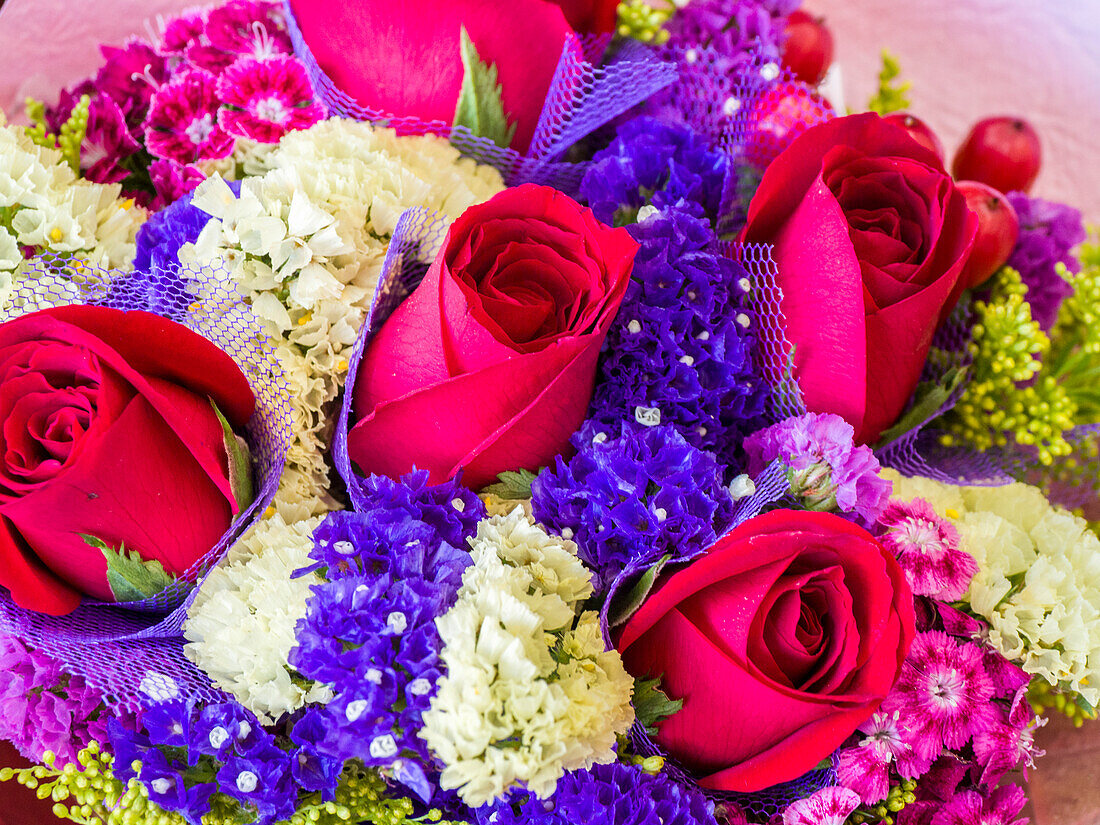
pixel 70 136
pixel 641 21
pixel 891 95
pixel 884 812
pixel 1045 697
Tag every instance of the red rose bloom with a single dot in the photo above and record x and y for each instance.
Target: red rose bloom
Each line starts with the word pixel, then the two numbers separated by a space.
pixel 108 431
pixel 781 641
pixel 405 60
pixel 870 237
pixel 489 365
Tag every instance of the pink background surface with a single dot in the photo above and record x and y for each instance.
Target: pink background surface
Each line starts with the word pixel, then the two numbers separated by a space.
pixel 966 58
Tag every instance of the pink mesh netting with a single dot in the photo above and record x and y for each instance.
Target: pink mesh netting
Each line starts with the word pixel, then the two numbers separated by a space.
pixel 132 652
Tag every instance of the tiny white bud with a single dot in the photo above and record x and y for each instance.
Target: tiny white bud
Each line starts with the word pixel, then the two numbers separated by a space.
pixel 634 327
pixel 420 687
pixel 247 781
pixel 218 737
pixel 567 532
pixel 648 416
pixel 687 359
pixel 355 709
pixel 397 621
pixel 731 106
pixel 691 56
pixel 742 486
pixel 344 548
pixel 745 284
pixel 769 71
pixel 161 785
pixel 743 319
pixel 458 504
pixel 374 676
pixel 599 438
pixel 647 212
pixel 701 430
pixel 383 747
pixel 243 729
pixel 703 336
pixel 661 513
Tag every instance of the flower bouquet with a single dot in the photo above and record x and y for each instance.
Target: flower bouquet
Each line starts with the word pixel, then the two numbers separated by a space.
pixel 445 413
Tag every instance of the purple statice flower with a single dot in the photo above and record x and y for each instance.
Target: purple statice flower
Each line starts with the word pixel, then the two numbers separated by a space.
pixel 369 630
pixel 1049 232
pixel 44 709
pixel 827 469
pixel 942 698
pixel 865 768
pixel 661 164
pixel 628 500
pixel 160 238
pixel 130 76
pixel 614 794
pixel 1000 807
pixel 182 124
pixel 828 806
pixel 732 27
pixel 682 344
pixel 261 779
pixel 265 99
pixel 927 548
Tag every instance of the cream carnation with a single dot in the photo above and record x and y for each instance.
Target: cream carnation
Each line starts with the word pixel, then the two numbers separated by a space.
pixel 530 690
pixel 241 627
pixel 1038 583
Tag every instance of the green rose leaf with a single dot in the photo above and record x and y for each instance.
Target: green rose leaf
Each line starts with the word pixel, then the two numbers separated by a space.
pixel 480 108
pixel 131 578
pixel 512 485
pixel 928 398
pixel 651 705
pixel 240 463
pixel 625 606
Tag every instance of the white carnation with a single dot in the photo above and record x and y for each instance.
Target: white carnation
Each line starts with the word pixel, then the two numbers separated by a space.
pixel 241 627
pixel 530 690
pixel 1038 582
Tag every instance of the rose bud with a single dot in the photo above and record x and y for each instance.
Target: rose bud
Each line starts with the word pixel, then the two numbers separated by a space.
pixel 118 453
pixel 490 364
pixel 780 641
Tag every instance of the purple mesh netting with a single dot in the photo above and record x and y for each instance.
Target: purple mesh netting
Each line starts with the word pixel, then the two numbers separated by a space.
pixel 416 240
pixel 773 351
pixel 124 649
pixel 771 488
pixel 582 97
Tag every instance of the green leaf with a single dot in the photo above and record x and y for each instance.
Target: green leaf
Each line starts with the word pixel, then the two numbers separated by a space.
pixel 891 95
pixel 480 108
pixel 929 398
pixel 130 577
pixel 240 463
pixel 512 485
pixel 625 606
pixel 651 705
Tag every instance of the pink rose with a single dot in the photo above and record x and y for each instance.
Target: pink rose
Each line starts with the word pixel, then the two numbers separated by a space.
pixel 490 364
pixel 870 237
pixel 108 431
pixel 404 59
pixel 781 641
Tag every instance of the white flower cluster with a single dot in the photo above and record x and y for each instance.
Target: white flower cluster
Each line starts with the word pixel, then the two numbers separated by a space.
pixel 45 205
pixel 306 240
pixel 530 690
pixel 240 628
pixel 1038 583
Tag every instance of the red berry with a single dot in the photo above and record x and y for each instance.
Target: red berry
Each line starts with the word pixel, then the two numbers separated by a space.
pixel 1002 152
pixel 783 113
pixel 808 50
pixel 998 229
pixel 920 131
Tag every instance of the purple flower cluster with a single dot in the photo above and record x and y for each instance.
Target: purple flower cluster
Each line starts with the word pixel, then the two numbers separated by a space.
pixel 189 752
pixel 369 630
pixel 1048 233
pixel 681 347
pixel 957 721
pixel 732 27
pixel 215 76
pixel 44 709
pixel 661 164
pixel 632 498
pixel 827 470
pixel 614 794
